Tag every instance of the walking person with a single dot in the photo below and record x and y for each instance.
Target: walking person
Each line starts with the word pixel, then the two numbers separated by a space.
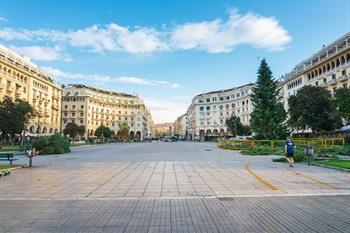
pixel 289 150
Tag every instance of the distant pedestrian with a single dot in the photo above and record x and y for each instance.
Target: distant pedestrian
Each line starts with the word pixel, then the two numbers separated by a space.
pixel 289 150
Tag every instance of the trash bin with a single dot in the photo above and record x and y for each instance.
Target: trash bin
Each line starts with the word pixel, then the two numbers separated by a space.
pixel 309 152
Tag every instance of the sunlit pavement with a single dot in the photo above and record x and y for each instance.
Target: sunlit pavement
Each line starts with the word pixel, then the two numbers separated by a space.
pixel 171 187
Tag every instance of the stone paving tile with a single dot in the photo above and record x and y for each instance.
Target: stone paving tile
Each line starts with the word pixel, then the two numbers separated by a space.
pixel 235 214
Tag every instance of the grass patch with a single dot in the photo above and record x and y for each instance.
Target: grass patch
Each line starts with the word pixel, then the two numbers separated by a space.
pixel 10 148
pixel 340 163
pixel 7 166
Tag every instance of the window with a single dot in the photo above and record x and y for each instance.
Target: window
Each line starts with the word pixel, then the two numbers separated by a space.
pixel 227 106
pixel 73 106
pixel 73 114
pixel 334 76
pixel 208 108
pixel 81 106
pixel 316 84
pixel 65 106
pixel 232 105
pixel 227 97
pixel 221 107
pixel 81 114
pixel 221 98
pixel 325 80
pixel 65 114
pixel 81 121
pixel 208 100
pixel 201 108
pixel 343 72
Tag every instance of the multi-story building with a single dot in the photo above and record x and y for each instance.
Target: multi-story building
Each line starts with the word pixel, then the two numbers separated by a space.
pixel 21 79
pixel 92 107
pixel 180 126
pixel 329 68
pixel 208 112
pixel 164 129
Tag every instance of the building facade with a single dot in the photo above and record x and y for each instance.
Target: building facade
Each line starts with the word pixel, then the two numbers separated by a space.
pixel 92 107
pixel 164 129
pixel 208 112
pixel 329 68
pixel 21 79
pixel 180 126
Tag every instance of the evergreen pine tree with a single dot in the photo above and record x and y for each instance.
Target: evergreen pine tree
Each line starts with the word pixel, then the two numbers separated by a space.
pixel 268 115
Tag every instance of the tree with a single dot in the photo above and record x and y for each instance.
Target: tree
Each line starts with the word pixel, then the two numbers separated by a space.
pixel 342 103
pixel 268 115
pixel 81 130
pixel 71 129
pixel 14 117
pixel 312 107
pixel 103 131
pixel 235 125
pixel 123 131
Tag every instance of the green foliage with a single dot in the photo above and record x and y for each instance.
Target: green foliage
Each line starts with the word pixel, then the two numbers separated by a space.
pixel 14 116
pixel 81 130
pixel 235 125
pixel 342 103
pixel 72 130
pixel 335 163
pixel 258 150
pixel 123 131
pixel 312 107
pixel 41 143
pixel 103 131
pixel 268 115
pixel 54 144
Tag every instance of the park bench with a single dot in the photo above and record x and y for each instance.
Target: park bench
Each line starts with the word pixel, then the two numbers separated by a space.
pixel 7 157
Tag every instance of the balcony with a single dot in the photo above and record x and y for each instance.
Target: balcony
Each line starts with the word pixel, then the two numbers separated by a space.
pixel 343 77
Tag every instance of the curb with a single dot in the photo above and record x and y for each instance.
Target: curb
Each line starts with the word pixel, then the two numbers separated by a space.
pixel 334 168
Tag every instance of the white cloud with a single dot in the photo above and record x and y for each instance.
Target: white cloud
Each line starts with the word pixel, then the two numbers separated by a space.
pixel 40 53
pixel 106 79
pixel 167 110
pixel 3 19
pixel 215 36
pixel 222 37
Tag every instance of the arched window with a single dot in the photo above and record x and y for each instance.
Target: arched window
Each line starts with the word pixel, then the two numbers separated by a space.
pixel 324 69
pixel 333 65
pixel 319 71
pixel 348 58
pixel 328 67
pixel 342 61
pixel 338 63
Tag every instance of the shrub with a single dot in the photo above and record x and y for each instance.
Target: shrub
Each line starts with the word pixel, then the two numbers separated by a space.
pixel 55 144
pixel 41 143
pixel 258 150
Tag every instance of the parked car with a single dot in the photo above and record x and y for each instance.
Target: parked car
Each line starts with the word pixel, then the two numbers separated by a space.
pixel 169 139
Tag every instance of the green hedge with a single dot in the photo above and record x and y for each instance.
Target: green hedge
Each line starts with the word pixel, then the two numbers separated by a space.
pixel 54 144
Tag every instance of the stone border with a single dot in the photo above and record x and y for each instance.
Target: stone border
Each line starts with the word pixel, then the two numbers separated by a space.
pixel 331 167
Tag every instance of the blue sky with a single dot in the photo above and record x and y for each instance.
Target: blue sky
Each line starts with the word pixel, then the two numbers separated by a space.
pixel 169 52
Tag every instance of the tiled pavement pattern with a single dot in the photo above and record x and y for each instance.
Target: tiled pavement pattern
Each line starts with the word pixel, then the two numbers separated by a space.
pixel 245 214
pixel 165 170
pixel 171 187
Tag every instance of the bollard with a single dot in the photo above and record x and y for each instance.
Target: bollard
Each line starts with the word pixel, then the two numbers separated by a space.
pixel 309 151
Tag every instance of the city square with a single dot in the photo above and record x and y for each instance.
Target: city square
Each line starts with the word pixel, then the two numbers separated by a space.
pixel 175 116
pixel 171 187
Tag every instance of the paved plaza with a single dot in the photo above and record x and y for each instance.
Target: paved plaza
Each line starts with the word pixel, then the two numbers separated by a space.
pixel 171 187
